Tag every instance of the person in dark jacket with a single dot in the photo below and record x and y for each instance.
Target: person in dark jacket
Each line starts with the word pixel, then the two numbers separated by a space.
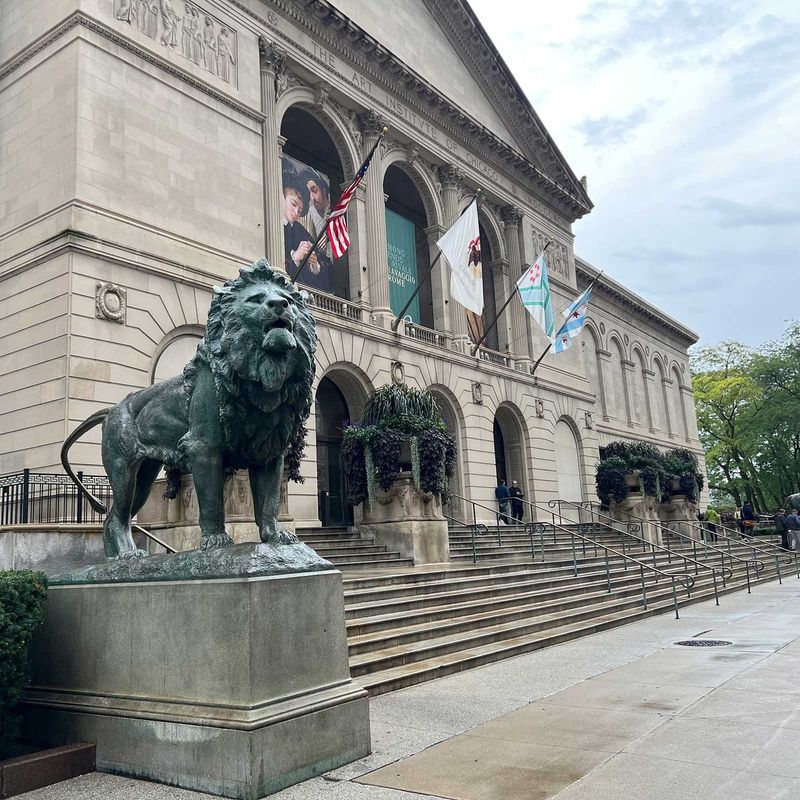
pixel 749 518
pixel 503 500
pixel 793 526
pixel 517 511
pixel 780 527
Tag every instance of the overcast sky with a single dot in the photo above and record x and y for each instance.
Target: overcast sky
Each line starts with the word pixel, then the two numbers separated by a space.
pixel 685 116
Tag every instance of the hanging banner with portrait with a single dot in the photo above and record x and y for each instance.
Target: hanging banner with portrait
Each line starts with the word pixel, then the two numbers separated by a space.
pixel 401 241
pixel 306 201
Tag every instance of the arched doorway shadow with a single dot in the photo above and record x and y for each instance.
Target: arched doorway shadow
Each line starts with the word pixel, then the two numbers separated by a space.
pixel 451 413
pixel 339 401
pixel 566 442
pixel 510 451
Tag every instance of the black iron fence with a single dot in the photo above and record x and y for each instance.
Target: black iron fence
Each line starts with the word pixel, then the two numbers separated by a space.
pixel 35 497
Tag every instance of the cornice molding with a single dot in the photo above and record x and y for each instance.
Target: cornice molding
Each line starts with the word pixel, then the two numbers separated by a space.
pixel 470 39
pixel 632 302
pixel 347 41
pixel 79 19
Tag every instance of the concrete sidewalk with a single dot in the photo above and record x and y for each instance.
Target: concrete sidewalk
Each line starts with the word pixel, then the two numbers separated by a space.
pixel 620 713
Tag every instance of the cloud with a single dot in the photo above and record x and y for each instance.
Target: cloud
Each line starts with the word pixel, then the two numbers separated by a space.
pixel 607 131
pixel 656 256
pixel 736 215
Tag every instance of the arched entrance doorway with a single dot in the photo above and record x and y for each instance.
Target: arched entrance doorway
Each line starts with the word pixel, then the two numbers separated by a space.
pixel 312 175
pixel 476 325
pixel 568 463
pixel 509 450
pixel 332 414
pixel 407 246
pixel 451 418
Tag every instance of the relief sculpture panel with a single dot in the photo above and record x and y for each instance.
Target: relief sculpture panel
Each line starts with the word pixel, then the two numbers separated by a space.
pixel 186 28
pixel 558 255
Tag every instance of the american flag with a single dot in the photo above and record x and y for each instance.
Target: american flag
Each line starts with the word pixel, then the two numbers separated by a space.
pixel 338 235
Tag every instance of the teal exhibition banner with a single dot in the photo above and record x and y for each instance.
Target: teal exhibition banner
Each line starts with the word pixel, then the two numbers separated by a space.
pixel 402 253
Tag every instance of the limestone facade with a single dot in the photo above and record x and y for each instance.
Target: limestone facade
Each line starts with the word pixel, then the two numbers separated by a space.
pixel 140 147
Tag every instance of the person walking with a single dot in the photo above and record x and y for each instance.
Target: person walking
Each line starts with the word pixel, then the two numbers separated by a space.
pixel 749 518
pixel 517 511
pixel 503 500
pixel 780 527
pixel 712 520
pixel 793 527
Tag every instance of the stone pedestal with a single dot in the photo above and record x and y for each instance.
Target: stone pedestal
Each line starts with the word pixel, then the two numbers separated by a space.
pixel 409 521
pixel 681 515
pixel 177 522
pixel 236 686
pixel 644 511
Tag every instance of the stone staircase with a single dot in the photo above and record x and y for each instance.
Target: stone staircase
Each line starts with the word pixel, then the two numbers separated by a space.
pixel 406 625
pixel 350 550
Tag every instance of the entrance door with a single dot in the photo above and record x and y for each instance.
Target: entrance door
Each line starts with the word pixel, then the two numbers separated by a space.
pixel 331 415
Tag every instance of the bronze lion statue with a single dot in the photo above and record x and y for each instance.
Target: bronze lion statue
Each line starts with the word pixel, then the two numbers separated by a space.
pixel 240 404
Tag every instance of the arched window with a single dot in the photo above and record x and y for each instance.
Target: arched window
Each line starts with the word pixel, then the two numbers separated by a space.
pixel 174 357
pixel 312 177
pixel 679 418
pixel 594 369
pixel 641 407
pixel 617 392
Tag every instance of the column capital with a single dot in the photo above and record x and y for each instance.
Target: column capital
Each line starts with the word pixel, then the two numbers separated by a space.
pixel 370 124
pixel 450 176
pixel 272 58
pixel 511 215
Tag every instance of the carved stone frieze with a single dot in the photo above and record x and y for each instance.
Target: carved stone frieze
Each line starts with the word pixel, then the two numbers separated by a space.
pixel 187 29
pixel 110 302
pixel 450 176
pixel 558 260
pixel 511 215
pixel 371 124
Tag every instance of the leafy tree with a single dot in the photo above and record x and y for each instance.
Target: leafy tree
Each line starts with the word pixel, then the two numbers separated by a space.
pixel 748 416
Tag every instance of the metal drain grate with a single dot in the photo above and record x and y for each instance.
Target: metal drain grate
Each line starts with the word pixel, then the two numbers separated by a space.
pixel 703 643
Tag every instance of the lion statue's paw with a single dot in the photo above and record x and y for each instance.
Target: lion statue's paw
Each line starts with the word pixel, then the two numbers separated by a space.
pixel 280 537
pixel 215 540
pixel 135 553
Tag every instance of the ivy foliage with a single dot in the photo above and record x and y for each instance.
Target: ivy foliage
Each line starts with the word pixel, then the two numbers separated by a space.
pixel 371 452
pixel 655 471
pixel 22 596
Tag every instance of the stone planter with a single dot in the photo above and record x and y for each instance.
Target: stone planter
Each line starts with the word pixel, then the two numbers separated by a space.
pixel 682 514
pixel 645 511
pixel 409 521
pixel 632 481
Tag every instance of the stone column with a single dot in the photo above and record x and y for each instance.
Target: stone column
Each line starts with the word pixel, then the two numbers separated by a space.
pixel 649 396
pixel 440 295
pixel 499 269
pixel 516 312
pixel 451 178
pixel 628 373
pixel 603 366
pixel 272 65
pixel 377 267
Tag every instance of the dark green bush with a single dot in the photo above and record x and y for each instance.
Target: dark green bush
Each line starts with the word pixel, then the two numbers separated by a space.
pixel 393 415
pixel 22 596
pixel 610 480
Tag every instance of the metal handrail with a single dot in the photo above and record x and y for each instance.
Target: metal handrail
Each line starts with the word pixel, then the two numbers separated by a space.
pixel 725 573
pixel 158 541
pixel 476 529
pixel 686 580
pixel 758 565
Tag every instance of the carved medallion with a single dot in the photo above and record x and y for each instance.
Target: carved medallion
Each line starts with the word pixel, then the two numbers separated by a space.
pixel 110 302
pixel 477 394
pixel 398 373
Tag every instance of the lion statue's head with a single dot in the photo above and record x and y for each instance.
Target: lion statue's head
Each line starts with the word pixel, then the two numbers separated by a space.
pixel 259 344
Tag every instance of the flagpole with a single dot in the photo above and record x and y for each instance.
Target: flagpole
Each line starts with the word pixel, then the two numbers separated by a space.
pixel 547 349
pixel 324 230
pixel 427 275
pixel 497 315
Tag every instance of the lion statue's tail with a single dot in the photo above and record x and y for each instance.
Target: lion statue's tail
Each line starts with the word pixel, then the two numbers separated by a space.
pixel 90 422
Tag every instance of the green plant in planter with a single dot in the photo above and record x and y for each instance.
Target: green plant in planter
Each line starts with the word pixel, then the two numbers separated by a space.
pixel 371 451
pixel 681 465
pixel 610 479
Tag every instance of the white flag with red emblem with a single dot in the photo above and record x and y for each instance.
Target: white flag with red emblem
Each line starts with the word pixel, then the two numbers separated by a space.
pixel 461 246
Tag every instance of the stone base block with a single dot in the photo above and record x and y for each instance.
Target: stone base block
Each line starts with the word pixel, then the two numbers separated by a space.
pixel 238 687
pixel 426 541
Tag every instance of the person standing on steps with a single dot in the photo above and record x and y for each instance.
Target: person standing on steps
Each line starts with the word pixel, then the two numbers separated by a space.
pixel 749 518
pixel 712 520
pixel 503 500
pixel 780 527
pixel 516 495
pixel 793 527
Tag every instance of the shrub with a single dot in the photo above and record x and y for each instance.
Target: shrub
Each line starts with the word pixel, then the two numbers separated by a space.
pixel 22 596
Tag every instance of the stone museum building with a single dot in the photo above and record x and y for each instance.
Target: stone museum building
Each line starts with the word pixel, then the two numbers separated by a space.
pixel 150 148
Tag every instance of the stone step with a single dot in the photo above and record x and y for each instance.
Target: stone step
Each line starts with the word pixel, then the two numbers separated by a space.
pixel 380 680
pixel 391 560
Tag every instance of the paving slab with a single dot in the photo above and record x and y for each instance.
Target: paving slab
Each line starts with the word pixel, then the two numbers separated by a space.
pixel 748 708
pixel 647 778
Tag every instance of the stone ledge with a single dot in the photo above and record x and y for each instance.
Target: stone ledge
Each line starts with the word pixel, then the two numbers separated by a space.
pixel 35 770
